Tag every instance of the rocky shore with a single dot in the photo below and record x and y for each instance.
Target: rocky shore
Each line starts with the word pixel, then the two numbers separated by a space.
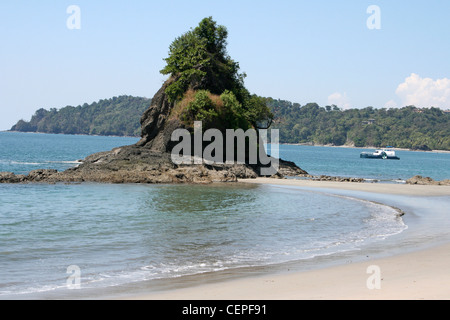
pixel 149 160
pixel 135 164
pixel 132 164
pixel 427 181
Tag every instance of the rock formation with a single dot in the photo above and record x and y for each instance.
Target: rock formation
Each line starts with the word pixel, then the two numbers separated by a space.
pixel 427 181
pixel 149 160
pixel 198 63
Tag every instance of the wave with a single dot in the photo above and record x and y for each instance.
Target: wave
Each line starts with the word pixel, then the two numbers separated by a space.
pixel 380 222
pixel 44 163
pixel 27 163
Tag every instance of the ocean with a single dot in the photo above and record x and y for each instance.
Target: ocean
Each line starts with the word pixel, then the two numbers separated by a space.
pixel 96 240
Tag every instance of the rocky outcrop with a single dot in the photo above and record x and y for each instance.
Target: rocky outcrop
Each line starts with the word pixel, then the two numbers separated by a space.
pixel 134 164
pixel 427 181
pixel 338 179
pixel 156 126
pixel 149 161
pixel 9 177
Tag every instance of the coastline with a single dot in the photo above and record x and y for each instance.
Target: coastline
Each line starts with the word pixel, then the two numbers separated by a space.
pixel 353 147
pixel 412 276
pixel 381 188
pixel 415 273
pixel 72 134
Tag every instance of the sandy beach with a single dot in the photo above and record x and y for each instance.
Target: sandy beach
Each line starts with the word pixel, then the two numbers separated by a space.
pixel 422 274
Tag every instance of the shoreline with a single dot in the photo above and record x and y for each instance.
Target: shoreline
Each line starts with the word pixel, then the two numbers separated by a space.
pixel 379 188
pixel 416 273
pixel 353 147
pixel 72 134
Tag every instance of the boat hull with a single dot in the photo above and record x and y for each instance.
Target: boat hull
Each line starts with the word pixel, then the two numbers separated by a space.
pixel 378 156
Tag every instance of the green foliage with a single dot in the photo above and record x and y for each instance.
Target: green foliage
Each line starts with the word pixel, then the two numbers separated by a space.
pixel 187 60
pixel 407 127
pixel 202 109
pixel 118 116
pixel 257 113
pixel 198 60
pixel 233 112
pixel 219 112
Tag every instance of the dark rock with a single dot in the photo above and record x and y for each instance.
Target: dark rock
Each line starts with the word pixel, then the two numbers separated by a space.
pixel 156 124
pixel 40 175
pixel 289 168
pixel 332 178
pixel 9 177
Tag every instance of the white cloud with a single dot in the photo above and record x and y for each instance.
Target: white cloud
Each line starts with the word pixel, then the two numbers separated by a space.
pixel 339 99
pixel 425 92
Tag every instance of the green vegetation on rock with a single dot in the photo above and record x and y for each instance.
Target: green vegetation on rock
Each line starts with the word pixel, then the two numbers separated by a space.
pixel 205 83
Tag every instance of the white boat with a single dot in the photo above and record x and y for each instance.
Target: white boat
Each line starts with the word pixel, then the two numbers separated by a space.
pixel 386 153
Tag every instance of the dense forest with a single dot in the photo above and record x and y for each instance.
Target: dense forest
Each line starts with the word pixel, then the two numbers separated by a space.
pixel 408 127
pixel 118 116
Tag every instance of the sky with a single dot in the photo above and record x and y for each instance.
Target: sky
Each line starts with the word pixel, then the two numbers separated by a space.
pixel 351 53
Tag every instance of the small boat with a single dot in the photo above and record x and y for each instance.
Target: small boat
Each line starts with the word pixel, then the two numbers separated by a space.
pixel 386 153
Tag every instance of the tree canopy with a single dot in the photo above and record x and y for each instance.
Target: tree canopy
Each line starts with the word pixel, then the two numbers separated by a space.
pixel 118 116
pixel 198 61
pixel 408 127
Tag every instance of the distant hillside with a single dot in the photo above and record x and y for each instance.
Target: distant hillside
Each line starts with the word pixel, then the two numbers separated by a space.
pixel 118 116
pixel 408 127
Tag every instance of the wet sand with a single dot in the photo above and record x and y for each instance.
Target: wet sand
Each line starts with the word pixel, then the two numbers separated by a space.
pixel 421 274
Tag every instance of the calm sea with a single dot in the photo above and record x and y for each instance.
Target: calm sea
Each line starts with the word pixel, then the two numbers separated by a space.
pixel 100 237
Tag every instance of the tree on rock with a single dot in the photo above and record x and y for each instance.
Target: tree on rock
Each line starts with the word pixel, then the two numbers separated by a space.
pixel 198 62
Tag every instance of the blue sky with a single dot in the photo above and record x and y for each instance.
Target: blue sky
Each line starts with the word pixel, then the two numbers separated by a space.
pixel 302 51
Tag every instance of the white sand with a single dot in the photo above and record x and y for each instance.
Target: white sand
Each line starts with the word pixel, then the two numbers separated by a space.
pixel 387 188
pixel 418 275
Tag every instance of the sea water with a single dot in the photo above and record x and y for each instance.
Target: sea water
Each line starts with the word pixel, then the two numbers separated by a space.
pixel 120 235
pixel 345 162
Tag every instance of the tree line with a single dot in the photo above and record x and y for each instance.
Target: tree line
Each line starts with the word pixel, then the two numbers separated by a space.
pixel 118 116
pixel 408 127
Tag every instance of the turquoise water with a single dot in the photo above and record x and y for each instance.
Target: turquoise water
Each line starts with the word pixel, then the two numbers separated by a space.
pixel 346 162
pixel 120 234
pixel 22 152
pixel 125 235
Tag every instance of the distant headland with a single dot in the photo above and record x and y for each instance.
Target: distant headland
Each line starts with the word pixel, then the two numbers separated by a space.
pixel 409 128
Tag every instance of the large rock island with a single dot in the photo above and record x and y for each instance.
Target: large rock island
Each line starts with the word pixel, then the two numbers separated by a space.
pixel 203 85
